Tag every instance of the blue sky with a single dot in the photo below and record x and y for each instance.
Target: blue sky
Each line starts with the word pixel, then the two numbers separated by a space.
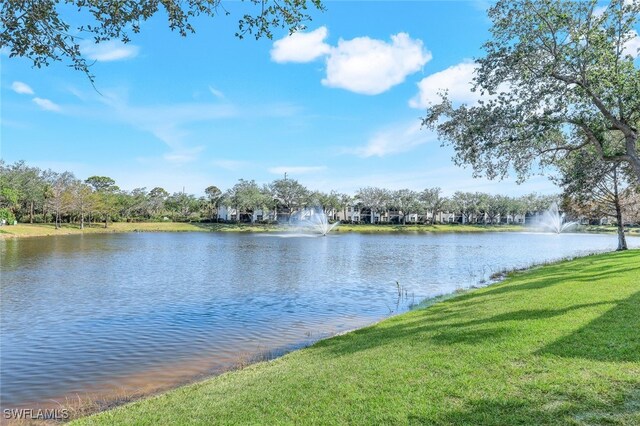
pixel 337 106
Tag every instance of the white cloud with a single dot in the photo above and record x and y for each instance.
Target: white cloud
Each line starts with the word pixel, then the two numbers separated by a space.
pixel 632 45
pixel 169 123
pixel 112 50
pixel 46 104
pixel 21 88
pixel 599 10
pixel 215 92
pixel 457 79
pixel 296 170
pixel 394 140
pixel 166 122
pixel 361 65
pixel 368 66
pixel 77 93
pixel 301 46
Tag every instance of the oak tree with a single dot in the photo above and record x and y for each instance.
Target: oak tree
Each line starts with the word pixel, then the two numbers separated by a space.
pixel 557 76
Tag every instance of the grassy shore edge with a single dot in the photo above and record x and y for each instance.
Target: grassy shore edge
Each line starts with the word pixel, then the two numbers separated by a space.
pixel 46 230
pixel 41 230
pixel 337 369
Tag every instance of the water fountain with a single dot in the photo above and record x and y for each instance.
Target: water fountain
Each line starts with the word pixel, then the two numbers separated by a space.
pixel 552 220
pixel 314 219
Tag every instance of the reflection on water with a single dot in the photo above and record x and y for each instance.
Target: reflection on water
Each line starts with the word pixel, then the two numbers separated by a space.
pixel 98 313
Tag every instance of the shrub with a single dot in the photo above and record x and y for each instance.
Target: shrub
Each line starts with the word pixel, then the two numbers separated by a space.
pixel 7 215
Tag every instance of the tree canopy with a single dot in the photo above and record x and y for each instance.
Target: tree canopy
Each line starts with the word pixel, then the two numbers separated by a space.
pixel 30 194
pixel 46 31
pixel 557 76
pixel 289 192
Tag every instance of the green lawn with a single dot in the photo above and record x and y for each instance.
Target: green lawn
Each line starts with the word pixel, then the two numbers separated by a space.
pixel 559 345
pixel 47 229
pixel 41 230
pixel 608 229
pixel 369 228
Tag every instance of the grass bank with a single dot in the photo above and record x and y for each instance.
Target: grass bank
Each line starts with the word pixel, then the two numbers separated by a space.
pixel 558 344
pixel 41 230
pixel 369 228
pixel 607 229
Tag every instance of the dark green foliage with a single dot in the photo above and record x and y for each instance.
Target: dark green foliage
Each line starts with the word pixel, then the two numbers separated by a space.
pixel 102 183
pixel 557 76
pixel 7 215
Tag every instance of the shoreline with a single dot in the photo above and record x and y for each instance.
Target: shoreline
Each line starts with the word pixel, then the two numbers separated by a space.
pixel 91 402
pixel 249 379
pixel 88 405
pixel 48 230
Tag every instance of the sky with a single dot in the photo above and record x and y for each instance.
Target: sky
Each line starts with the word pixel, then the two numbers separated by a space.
pixel 336 107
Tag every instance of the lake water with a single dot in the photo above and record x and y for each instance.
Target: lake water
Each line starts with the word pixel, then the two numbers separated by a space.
pixel 101 314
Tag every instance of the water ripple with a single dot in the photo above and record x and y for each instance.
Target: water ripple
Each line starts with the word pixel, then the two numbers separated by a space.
pixel 103 313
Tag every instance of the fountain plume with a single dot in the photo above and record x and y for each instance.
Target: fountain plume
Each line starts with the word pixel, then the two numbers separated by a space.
pixel 553 221
pixel 315 220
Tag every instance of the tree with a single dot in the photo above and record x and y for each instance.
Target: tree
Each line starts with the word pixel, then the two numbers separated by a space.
pixel 404 200
pixel 479 206
pixel 483 206
pixel 558 76
pixel 28 185
pixel 214 196
pixel 631 205
pixel 490 205
pixel 328 201
pixel 270 202
pixel 501 206
pixel 61 197
pixel 104 198
pixel 40 31
pixel 102 183
pixel 290 193
pixel 8 196
pixel 595 186
pixel 345 201
pixel 132 204
pixel 81 199
pixel 376 199
pixel 433 201
pixel 182 204
pixel 157 198
pixel 465 203
pixel 246 196
pixel 516 206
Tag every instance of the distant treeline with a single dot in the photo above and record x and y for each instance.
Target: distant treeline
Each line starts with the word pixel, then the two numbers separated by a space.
pixel 30 194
